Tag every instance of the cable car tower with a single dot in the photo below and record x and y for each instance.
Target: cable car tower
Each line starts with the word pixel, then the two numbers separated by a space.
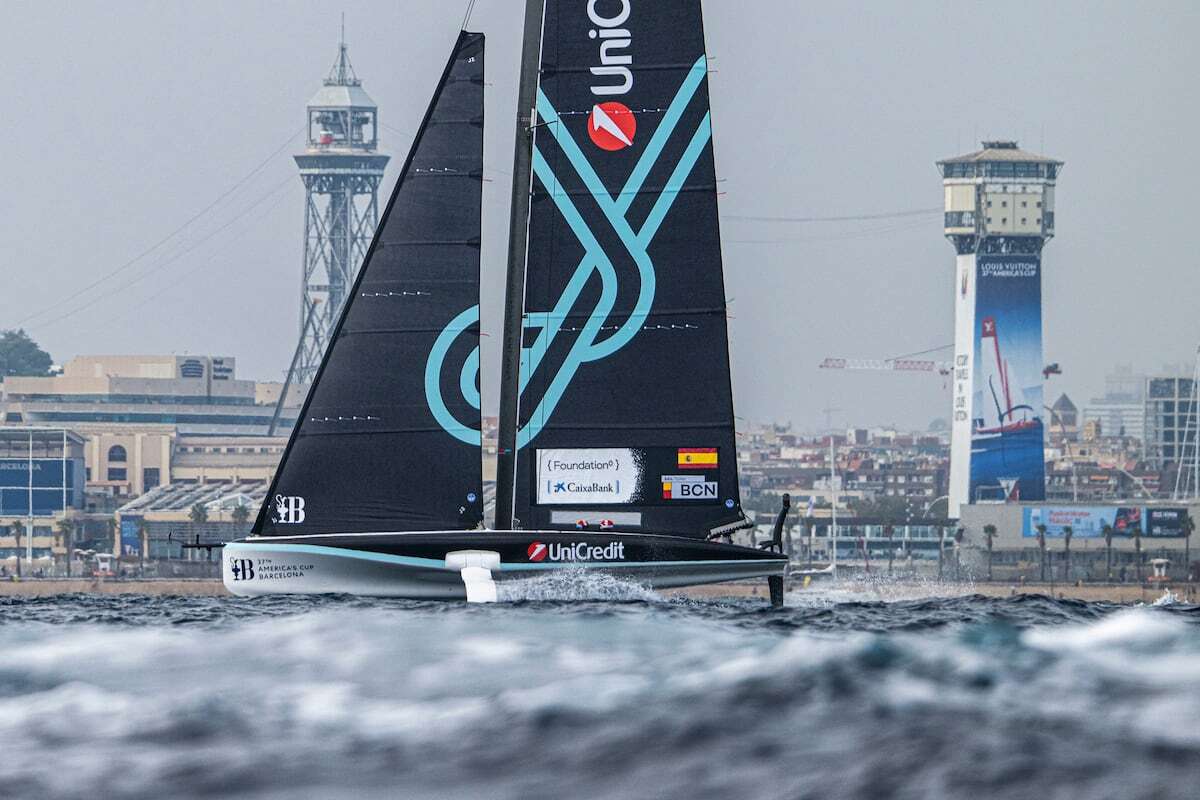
pixel 341 171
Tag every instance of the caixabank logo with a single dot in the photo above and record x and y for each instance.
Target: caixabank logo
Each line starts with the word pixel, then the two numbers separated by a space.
pixel 575 551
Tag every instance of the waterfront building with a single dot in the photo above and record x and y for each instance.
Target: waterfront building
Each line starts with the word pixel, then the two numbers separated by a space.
pixel 999 213
pixel 1121 411
pixel 41 495
pixel 1170 421
pixel 138 413
pixel 1159 534
pixel 1064 420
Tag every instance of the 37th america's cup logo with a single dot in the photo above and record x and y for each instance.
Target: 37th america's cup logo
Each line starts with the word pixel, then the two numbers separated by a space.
pixel 595 214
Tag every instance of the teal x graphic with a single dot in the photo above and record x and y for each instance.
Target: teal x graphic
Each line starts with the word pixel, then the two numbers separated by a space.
pixel 587 346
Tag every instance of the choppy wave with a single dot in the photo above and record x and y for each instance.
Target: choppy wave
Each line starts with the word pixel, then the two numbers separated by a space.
pixel 630 696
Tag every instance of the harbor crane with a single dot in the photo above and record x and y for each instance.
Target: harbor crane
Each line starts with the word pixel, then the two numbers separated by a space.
pixel 888 364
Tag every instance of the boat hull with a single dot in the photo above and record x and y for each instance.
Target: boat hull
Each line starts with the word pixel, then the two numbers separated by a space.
pixel 416 565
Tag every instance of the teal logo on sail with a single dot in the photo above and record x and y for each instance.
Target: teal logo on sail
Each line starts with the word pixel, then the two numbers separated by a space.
pixel 548 325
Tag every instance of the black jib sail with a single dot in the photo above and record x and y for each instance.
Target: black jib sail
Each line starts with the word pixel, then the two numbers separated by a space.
pixel 389 439
pixel 625 408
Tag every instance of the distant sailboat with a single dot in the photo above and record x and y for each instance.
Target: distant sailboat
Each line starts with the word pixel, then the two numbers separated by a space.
pixel 617 448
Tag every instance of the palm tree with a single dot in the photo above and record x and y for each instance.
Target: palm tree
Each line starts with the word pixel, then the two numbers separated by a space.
pixel 1186 526
pixel 240 514
pixel 1108 534
pixel 888 532
pixel 198 515
pixel 989 533
pixel 143 529
pixel 110 532
pixel 1041 540
pixel 1137 548
pixel 960 534
pixel 1068 532
pixel 941 549
pixel 18 530
pixel 66 537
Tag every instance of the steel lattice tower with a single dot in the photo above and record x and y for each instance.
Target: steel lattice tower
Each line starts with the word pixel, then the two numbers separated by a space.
pixel 341 171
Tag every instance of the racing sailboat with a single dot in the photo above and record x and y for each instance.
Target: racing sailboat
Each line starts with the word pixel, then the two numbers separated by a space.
pixel 617 448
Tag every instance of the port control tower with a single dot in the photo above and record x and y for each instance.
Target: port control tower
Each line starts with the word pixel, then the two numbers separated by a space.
pixel 999 204
pixel 341 171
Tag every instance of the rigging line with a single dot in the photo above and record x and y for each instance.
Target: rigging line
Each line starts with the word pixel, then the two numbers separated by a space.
pixel 236 237
pixel 163 264
pixel 241 182
pixel 206 264
pixel 394 129
pixel 467 16
pixel 922 352
pixel 847 218
pixel 862 233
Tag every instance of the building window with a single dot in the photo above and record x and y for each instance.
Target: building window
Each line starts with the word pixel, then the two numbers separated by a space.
pixel 116 474
pixel 1004 220
pixel 1004 204
pixel 149 478
pixel 1024 204
pixel 117 453
pixel 1024 221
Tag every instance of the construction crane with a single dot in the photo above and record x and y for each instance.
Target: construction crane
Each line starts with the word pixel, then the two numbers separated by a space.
pixel 888 364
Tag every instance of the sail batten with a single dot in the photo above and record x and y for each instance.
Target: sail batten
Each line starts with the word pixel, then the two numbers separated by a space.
pixel 388 439
pixel 625 405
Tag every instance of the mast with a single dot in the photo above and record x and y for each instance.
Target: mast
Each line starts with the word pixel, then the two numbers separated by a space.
pixel 833 488
pixel 514 290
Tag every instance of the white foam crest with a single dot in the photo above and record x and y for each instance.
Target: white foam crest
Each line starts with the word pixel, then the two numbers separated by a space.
pixel 1132 653
pixel 344 709
pixel 1128 627
pixel 595 693
pixel 490 649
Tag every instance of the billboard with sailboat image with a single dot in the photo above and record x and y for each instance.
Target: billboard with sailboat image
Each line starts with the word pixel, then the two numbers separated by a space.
pixel 1007 459
pixel 1088 522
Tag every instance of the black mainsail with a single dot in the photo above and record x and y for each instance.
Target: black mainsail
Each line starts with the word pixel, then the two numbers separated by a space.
pixel 625 415
pixel 388 439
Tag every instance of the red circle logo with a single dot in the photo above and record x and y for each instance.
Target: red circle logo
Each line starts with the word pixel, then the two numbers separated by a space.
pixel 536 552
pixel 611 125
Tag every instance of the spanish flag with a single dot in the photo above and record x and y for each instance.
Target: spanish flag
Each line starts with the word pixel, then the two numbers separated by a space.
pixel 697 458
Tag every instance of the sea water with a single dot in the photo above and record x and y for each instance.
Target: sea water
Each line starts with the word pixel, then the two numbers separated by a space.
pixel 594 688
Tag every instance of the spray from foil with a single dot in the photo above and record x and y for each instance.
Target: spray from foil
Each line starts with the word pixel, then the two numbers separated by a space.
pixel 576 583
pixel 874 587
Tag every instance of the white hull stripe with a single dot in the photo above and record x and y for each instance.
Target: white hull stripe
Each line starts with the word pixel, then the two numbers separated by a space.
pixel 440 564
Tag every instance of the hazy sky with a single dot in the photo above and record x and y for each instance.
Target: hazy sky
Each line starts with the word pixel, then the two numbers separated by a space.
pixel 126 120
